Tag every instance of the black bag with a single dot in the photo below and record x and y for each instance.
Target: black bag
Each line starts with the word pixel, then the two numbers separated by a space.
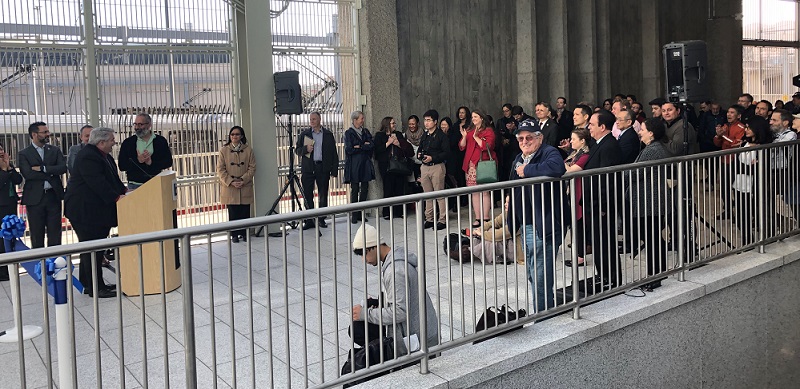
pixel 398 165
pixel 359 358
pixel 453 242
pixel 493 317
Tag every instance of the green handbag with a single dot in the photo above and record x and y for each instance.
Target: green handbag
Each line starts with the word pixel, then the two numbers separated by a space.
pixel 486 171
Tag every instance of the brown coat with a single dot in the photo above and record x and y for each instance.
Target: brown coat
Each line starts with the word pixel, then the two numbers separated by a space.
pixel 232 165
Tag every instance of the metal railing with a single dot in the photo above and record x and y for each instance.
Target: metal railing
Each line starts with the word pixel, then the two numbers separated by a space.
pixel 277 311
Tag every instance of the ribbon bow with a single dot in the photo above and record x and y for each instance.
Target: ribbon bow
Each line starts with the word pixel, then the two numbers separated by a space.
pixel 12 227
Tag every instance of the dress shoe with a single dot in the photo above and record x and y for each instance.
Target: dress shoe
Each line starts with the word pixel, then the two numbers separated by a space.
pixel 235 239
pixel 111 286
pixel 386 217
pixel 103 294
pixel 441 226
pixel 568 262
pixel 429 225
pixel 243 238
pixel 307 225
pixel 322 223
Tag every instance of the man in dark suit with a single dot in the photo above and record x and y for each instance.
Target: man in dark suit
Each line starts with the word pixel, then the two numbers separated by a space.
pixel 628 139
pixel 547 126
pixel 91 203
pixel 601 210
pixel 564 119
pixel 319 161
pixel 42 166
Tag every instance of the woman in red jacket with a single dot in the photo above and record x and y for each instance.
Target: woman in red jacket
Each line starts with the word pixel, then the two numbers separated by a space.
pixel 478 141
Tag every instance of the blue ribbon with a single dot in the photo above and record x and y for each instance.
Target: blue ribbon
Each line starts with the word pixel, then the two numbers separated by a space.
pixel 12 229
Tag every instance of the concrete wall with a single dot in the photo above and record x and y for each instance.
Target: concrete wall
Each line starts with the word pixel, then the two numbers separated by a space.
pixel 745 336
pixel 484 53
pixel 453 53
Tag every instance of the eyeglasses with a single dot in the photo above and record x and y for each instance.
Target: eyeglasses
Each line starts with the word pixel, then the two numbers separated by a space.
pixel 236 134
pixel 525 138
pixel 43 132
pixel 140 124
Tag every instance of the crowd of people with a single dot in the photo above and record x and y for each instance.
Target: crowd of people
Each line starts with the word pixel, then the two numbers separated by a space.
pixel 558 141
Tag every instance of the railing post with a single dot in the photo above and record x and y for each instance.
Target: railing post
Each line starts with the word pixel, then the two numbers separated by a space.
pixel 681 235
pixel 762 200
pixel 573 202
pixel 421 291
pixel 190 357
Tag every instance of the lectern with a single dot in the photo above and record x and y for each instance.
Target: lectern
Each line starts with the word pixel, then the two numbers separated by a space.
pixel 151 207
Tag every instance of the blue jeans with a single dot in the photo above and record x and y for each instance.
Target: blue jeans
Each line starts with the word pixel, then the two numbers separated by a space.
pixel 540 257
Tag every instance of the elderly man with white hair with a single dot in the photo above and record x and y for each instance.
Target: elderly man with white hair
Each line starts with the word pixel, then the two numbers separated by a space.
pixel 90 203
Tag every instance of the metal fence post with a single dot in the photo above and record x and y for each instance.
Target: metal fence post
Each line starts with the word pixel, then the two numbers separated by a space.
pixel 573 196
pixel 421 291
pixel 762 200
pixel 681 235
pixel 190 357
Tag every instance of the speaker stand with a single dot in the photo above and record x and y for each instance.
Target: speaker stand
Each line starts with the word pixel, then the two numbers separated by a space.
pixel 292 185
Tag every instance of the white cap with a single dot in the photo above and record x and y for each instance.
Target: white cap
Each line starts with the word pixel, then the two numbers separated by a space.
pixel 366 237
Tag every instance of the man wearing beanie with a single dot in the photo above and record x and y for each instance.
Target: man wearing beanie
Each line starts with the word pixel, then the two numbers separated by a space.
pixel 398 274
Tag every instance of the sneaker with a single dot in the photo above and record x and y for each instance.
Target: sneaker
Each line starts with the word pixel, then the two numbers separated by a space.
pixel 307 225
pixel 322 223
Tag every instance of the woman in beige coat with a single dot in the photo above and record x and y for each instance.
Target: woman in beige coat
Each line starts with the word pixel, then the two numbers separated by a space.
pixel 235 168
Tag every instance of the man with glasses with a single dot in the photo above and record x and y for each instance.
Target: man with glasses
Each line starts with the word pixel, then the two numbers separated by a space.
pixel 42 166
pixel 540 221
pixel 143 155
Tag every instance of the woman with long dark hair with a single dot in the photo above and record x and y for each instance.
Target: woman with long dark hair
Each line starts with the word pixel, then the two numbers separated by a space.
pixel 575 161
pixel 236 166
pixel 391 144
pixel 745 173
pixel 648 199
pixel 478 144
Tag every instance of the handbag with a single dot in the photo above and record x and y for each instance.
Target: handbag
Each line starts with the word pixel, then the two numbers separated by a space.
pixel 486 171
pixel 493 317
pixel 398 166
pixel 743 183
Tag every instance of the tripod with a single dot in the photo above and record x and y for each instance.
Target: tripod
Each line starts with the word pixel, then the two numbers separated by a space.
pixel 292 185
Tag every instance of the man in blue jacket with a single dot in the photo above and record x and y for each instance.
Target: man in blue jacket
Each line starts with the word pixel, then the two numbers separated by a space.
pixel 538 209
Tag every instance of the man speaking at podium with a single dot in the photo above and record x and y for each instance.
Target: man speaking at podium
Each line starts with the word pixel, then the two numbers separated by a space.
pixel 90 203
pixel 144 155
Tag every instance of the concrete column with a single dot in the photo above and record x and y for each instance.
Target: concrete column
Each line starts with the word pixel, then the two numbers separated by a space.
pixel 603 50
pixel 652 59
pixel 551 19
pixel 527 70
pixel 724 44
pixel 380 71
pixel 582 62
pixel 254 37
pixel 90 68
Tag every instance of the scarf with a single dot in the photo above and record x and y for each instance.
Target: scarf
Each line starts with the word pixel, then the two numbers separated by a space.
pixel 414 137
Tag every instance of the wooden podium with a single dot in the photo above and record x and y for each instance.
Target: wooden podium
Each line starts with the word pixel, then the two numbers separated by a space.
pixel 149 208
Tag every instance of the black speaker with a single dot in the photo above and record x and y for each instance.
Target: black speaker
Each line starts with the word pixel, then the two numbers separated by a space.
pixel 686 70
pixel 288 99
